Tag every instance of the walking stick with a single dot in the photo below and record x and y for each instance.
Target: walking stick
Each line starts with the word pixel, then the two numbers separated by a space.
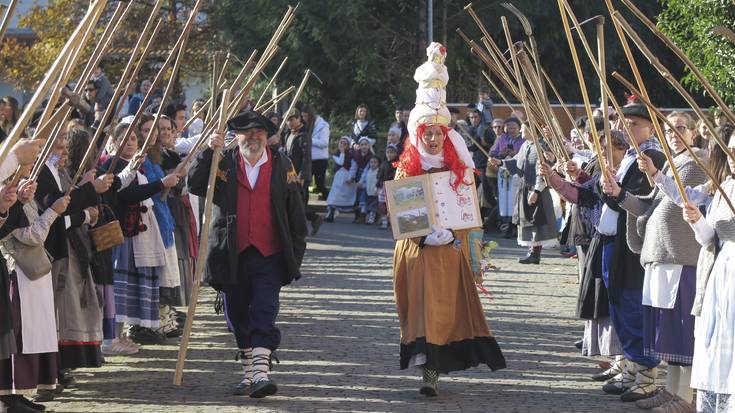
pixel 688 147
pixel 203 247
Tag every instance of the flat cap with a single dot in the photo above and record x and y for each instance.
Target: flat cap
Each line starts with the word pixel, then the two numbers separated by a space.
pixel 251 120
pixel 636 109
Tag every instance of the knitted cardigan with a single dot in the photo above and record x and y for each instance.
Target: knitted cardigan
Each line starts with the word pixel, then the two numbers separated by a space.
pixel 656 228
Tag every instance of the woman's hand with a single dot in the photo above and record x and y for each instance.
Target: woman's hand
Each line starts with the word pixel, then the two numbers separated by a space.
pixel 691 213
pixel 645 164
pixel 59 206
pixel 8 197
pixel 170 180
pixel 609 185
pixel 532 198
pixel 26 190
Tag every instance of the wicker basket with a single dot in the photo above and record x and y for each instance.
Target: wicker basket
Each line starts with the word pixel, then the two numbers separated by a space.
pixel 107 235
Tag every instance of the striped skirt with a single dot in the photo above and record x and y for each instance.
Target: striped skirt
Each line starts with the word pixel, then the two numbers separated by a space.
pixel 136 289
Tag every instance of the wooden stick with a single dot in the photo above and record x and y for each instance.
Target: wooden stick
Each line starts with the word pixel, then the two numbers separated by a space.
pixel 275 100
pixel 214 89
pixel 7 18
pixel 51 75
pixel 666 74
pixel 223 72
pixel 688 147
pixel 600 26
pixel 295 99
pixel 583 87
pixel 171 81
pixel 524 100
pixel 467 133
pixel 268 86
pixel 644 90
pixel 532 41
pixel 497 89
pixel 71 62
pixel 122 85
pixel 684 58
pixel 603 81
pixel 203 248
pixel 557 136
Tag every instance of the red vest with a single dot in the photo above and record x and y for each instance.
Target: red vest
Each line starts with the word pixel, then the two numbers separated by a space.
pixel 255 225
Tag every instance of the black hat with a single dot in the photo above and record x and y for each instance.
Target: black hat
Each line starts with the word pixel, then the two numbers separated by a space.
pixel 636 109
pixel 251 120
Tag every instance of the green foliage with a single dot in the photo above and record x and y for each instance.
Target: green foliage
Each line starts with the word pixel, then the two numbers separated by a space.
pixel 366 51
pixel 689 23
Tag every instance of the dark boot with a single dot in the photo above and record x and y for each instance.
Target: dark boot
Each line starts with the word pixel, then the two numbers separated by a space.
pixel 330 215
pixel 359 218
pixel 533 256
pixel 510 231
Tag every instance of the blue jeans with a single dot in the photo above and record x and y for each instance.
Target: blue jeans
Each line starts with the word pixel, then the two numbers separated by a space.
pixel 251 307
pixel 626 312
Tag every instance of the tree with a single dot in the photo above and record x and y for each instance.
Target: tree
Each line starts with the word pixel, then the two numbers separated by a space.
pixel 366 51
pixel 24 64
pixel 689 23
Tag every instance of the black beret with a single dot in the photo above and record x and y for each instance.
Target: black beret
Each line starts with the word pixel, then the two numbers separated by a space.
pixel 636 109
pixel 251 120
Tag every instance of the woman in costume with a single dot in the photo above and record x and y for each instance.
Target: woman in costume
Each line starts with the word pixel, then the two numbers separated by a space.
pixel 443 327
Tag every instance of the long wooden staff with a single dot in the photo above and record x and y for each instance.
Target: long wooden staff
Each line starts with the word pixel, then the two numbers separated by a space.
pixel 214 88
pixel 583 87
pixel 526 24
pixel 122 85
pixel 275 100
pixel 524 100
pixel 666 74
pixel 223 70
pixel 557 136
pixel 171 81
pixel 270 82
pixel 600 29
pixel 467 133
pixel 174 53
pixel 656 126
pixel 683 57
pixel 90 18
pixel 8 16
pixel 603 80
pixel 688 147
pixel 203 247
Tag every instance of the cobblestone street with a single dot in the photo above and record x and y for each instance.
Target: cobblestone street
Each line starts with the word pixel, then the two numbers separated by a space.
pixel 340 345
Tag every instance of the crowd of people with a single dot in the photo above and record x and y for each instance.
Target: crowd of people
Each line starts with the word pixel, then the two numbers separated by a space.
pixel 98 267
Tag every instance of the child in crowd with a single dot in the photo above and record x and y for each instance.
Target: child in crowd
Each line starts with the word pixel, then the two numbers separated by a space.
pixel 387 172
pixel 368 186
pixel 361 156
pixel 343 191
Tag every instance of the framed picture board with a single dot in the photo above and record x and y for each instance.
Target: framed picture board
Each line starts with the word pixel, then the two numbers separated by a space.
pixel 418 202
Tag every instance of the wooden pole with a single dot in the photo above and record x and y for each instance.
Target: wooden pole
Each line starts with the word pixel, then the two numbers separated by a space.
pixel 294 100
pixel 7 18
pixel 600 28
pixel 583 86
pixel 688 147
pixel 111 108
pixel 49 79
pixel 270 82
pixel 524 99
pixel 275 100
pixel 172 80
pixel 644 90
pixel 603 81
pixel 203 248
pixel 683 57
pixel 666 74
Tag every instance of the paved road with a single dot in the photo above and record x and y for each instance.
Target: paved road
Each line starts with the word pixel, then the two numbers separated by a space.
pixel 340 346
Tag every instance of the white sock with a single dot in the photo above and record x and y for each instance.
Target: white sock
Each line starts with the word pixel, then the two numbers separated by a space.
pixel 261 364
pixel 685 390
pixel 246 359
pixel 672 379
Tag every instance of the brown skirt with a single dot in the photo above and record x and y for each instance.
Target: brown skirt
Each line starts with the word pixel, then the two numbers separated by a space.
pixel 438 308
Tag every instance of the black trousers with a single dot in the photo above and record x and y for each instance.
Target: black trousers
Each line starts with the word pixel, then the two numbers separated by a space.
pixel 319 170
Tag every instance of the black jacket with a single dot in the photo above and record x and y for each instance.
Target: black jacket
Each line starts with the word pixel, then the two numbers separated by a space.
pixel 46 194
pixel 286 202
pixel 626 271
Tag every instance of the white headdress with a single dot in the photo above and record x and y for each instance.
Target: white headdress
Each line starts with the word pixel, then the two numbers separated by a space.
pixel 431 107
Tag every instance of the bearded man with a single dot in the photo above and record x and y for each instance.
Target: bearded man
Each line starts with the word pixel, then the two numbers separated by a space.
pixel 256 242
